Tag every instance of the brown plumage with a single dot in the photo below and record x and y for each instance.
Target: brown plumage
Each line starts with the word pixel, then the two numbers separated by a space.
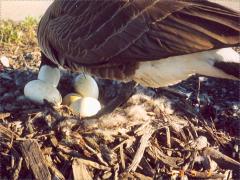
pixel 110 38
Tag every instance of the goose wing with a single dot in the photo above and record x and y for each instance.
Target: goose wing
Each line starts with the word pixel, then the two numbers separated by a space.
pixel 90 33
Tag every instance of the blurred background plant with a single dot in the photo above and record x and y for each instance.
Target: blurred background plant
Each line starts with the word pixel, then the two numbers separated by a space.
pixel 19 33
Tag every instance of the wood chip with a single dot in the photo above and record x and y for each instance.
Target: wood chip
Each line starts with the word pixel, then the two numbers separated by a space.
pixel 18 169
pixel 156 153
pixel 7 132
pixel 80 170
pixel 93 164
pixel 221 159
pixel 4 115
pixel 141 176
pixel 53 169
pixel 122 157
pixel 204 175
pixel 143 144
pixel 35 159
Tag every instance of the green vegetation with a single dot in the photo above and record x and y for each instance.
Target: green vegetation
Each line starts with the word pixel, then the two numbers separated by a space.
pixel 19 33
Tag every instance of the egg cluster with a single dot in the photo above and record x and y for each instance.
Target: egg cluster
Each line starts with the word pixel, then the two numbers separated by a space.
pixel 84 101
pixel 45 87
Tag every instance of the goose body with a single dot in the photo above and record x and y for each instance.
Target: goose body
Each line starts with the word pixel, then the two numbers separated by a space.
pixel 172 70
pixel 154 42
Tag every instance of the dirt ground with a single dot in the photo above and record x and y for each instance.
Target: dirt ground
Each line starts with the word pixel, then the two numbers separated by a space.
pixel 154 135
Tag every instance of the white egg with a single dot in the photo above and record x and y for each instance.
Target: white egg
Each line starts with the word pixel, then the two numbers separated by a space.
pixel 49 74
pixel 38 90
pixel 86 86
pixel 86 106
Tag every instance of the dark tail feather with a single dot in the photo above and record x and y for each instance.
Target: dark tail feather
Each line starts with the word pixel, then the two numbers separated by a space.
pixel 231 68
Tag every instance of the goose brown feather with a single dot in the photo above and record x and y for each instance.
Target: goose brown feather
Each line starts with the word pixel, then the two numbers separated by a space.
pixel 109 38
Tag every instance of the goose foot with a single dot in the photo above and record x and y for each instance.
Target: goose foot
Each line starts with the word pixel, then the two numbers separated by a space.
pixel 126 91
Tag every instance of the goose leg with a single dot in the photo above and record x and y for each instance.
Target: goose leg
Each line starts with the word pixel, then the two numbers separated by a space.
pixel 126 91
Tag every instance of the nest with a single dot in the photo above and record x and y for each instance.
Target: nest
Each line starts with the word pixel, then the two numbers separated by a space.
pixel 154 135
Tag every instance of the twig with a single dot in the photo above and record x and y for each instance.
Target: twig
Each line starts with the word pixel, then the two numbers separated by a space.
pixel 18 168
pixel 122 157
pixel 204 175
pixel 53 169
pixel 7 132
pixel 80 170
pixel 168 138
pixel 221 159
pixel 116 172
pixel 93 164
pixel 4 115
pixel 156 153
pixel 141 176
pixel 127 141
pixel 143 144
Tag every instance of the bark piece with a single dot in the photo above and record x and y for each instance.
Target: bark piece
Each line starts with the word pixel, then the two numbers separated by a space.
pixel 80 170
pixel 35 159
pixel 7 132
pixel 143 144
pixel 221 159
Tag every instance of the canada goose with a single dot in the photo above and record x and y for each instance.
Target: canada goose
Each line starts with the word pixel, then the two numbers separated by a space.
pixel 155 43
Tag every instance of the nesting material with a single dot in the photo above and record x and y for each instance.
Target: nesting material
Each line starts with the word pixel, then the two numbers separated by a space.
pixel 38 90
pixel 86 106
pixel 49 74
pixel 86 86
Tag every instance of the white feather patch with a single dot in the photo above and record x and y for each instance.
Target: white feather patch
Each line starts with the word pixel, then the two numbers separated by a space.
pixel 172 70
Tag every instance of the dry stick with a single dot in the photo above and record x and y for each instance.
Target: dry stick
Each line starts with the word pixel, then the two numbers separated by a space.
pixel 221 159
pixel 130 140
pixel 17 170
pixel 141 176
pixel 143 144
pixel 4 115
pixel 7 132
pixel 35 159
pixel 30 121
pixel 122 157
pixel 194 131
pixel 154 152
pixel 80 170
pixel 98 155
pixel 204 175
pixel 168 139
pixel 12 162
pixel 68 151
pixel 116 172
pixel 53 169
pixel 93 164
